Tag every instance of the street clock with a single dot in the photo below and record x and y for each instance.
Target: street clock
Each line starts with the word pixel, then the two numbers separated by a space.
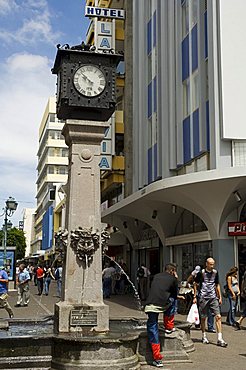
pixel 85 84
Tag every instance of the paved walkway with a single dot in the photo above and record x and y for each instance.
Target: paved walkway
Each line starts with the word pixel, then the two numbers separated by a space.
pixel 205 357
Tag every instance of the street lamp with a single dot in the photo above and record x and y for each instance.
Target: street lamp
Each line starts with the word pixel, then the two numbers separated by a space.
pixel 10 208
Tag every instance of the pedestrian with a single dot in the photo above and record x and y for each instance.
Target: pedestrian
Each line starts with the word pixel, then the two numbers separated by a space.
pixel 35 275
pixel 207 282
pixel 23 287
pixel 40 279
pixel 210 319
pixel 161 299
pixel 107 277
pixel 243 301
pixel 4 280
pixel 58 277
pixel 47 279
pixel 233 294
pixel 143 276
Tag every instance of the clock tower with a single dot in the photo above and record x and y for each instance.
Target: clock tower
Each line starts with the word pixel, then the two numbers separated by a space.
pixel 85 84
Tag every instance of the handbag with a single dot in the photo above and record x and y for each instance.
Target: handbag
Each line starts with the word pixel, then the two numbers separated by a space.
pixel 193 315
pixel 225 291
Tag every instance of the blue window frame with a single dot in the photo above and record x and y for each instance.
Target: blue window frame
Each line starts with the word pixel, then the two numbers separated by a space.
pixel 150 100
pixel 194 48
pixel 149 36
pixel 185 58
pixel 186 140
pixel 196 139
pixel 150 165
pixel 154 29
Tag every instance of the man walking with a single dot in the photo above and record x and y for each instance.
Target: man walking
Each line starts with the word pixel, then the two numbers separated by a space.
pixel 207 282
pixel 23 287
pixel 161 299
pixel 4 280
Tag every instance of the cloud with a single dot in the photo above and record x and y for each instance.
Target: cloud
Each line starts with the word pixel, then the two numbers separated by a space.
pixel 35 26
pixel 26 84
pixel 7 6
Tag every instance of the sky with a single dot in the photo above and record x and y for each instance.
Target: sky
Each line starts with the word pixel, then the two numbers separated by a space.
pixel 29 33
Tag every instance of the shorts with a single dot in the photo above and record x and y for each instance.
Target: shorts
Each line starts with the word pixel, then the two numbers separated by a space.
pixel 211 304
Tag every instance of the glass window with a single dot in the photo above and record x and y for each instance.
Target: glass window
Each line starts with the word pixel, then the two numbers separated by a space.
pixel 186 97
pixel 195 92
pixel 51 169
pixel 52 117
pixel 64 152
pixel 185 17
pixel 194 8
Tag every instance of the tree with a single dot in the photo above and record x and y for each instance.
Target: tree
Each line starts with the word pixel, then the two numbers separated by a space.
pixel 16 238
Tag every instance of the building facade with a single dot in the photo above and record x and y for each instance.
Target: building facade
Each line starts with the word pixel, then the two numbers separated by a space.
pixel 188 135
pixel 52 174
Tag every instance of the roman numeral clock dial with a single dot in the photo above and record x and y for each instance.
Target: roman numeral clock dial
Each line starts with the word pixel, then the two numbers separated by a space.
pixel 89 80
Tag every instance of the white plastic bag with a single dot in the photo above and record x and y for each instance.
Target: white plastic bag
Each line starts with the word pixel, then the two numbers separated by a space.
pixel 193 315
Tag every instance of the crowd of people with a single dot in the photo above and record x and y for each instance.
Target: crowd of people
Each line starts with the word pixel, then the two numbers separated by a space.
pixel 41 275
pixel 159 294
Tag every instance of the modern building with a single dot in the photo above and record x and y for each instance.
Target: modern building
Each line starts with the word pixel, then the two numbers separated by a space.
pixel 186 134
pixel 52 174
pixel 109 34
pixel 28 222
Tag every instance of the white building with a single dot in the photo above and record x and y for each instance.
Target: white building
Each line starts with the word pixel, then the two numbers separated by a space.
pixel 189 135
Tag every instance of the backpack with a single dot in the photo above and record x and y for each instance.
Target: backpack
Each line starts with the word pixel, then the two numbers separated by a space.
pixel 57 274
pixel 140 272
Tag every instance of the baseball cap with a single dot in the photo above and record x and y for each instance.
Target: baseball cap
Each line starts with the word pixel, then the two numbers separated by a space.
pixel 197 269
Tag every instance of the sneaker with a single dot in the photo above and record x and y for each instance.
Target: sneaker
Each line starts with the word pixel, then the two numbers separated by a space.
pixel 157 363
pixel 17 305
pixel 170 331
pixel 211 331
pixel 11 315
pixel 222 343
pixel 237 325
pixel 205 340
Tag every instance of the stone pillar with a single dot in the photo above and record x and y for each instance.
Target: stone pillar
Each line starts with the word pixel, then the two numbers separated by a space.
pixel 82 281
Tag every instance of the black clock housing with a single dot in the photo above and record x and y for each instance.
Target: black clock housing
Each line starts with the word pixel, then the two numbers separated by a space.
pixel 73 105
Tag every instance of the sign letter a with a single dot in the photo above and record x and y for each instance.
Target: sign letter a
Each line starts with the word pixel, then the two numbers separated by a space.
pixel 105 43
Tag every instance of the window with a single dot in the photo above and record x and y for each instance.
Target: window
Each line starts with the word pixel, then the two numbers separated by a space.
pixel 195 91
pixel 186 97
pixel 194 9
pixel 51 170
pixel 185 18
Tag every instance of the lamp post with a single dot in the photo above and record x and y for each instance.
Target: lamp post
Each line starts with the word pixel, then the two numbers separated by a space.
pixel 10 208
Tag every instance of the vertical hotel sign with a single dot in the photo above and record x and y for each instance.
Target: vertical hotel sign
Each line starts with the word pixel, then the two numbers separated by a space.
pixel 105 41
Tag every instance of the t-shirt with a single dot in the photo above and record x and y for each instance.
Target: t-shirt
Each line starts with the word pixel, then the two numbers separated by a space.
pixel 207 281
pixel 164 286
pixel 108 272
pixel 40 273
pixel 3 285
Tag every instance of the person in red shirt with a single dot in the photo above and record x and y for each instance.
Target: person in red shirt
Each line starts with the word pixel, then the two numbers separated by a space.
pixel 40 279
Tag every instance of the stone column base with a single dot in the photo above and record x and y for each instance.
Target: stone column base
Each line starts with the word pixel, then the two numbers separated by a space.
pixel 81 318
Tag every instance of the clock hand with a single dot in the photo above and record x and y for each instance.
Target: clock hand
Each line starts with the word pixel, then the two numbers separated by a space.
pixel 86 78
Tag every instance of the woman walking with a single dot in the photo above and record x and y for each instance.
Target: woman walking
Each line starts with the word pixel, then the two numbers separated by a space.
pixel 47 279
pixel 233 294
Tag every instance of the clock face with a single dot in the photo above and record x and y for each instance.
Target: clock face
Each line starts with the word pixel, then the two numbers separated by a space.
pixel 89 80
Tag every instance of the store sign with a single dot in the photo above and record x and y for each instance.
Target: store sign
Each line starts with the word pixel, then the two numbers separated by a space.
pixel 236 228
pixel 92 11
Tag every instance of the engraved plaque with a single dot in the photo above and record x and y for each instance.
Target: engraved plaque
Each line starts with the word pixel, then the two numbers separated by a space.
pixel 84 317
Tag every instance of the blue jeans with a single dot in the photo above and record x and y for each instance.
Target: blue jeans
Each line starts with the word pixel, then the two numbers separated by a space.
pixel 47 285
pixel 107 287
pixel 59 286
pixel 152 322
pixel 210 321
pixel 232 310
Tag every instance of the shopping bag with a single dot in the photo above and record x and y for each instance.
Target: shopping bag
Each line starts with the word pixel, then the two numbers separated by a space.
pixel 193 315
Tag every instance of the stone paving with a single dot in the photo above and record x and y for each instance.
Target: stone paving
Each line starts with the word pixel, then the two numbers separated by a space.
pixel 204 357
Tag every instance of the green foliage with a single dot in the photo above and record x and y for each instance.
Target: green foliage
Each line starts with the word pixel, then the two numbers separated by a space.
pixel 16 238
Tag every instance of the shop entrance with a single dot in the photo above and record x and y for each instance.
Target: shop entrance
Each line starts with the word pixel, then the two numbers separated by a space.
pixel 241 258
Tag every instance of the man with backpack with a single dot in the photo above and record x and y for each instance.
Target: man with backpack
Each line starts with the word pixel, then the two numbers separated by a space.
pixel 207 282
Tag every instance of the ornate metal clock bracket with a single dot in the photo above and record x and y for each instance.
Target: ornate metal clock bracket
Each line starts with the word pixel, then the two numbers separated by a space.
pixel 61 238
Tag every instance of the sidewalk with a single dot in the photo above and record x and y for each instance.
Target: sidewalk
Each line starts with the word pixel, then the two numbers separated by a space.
pixel 205 357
